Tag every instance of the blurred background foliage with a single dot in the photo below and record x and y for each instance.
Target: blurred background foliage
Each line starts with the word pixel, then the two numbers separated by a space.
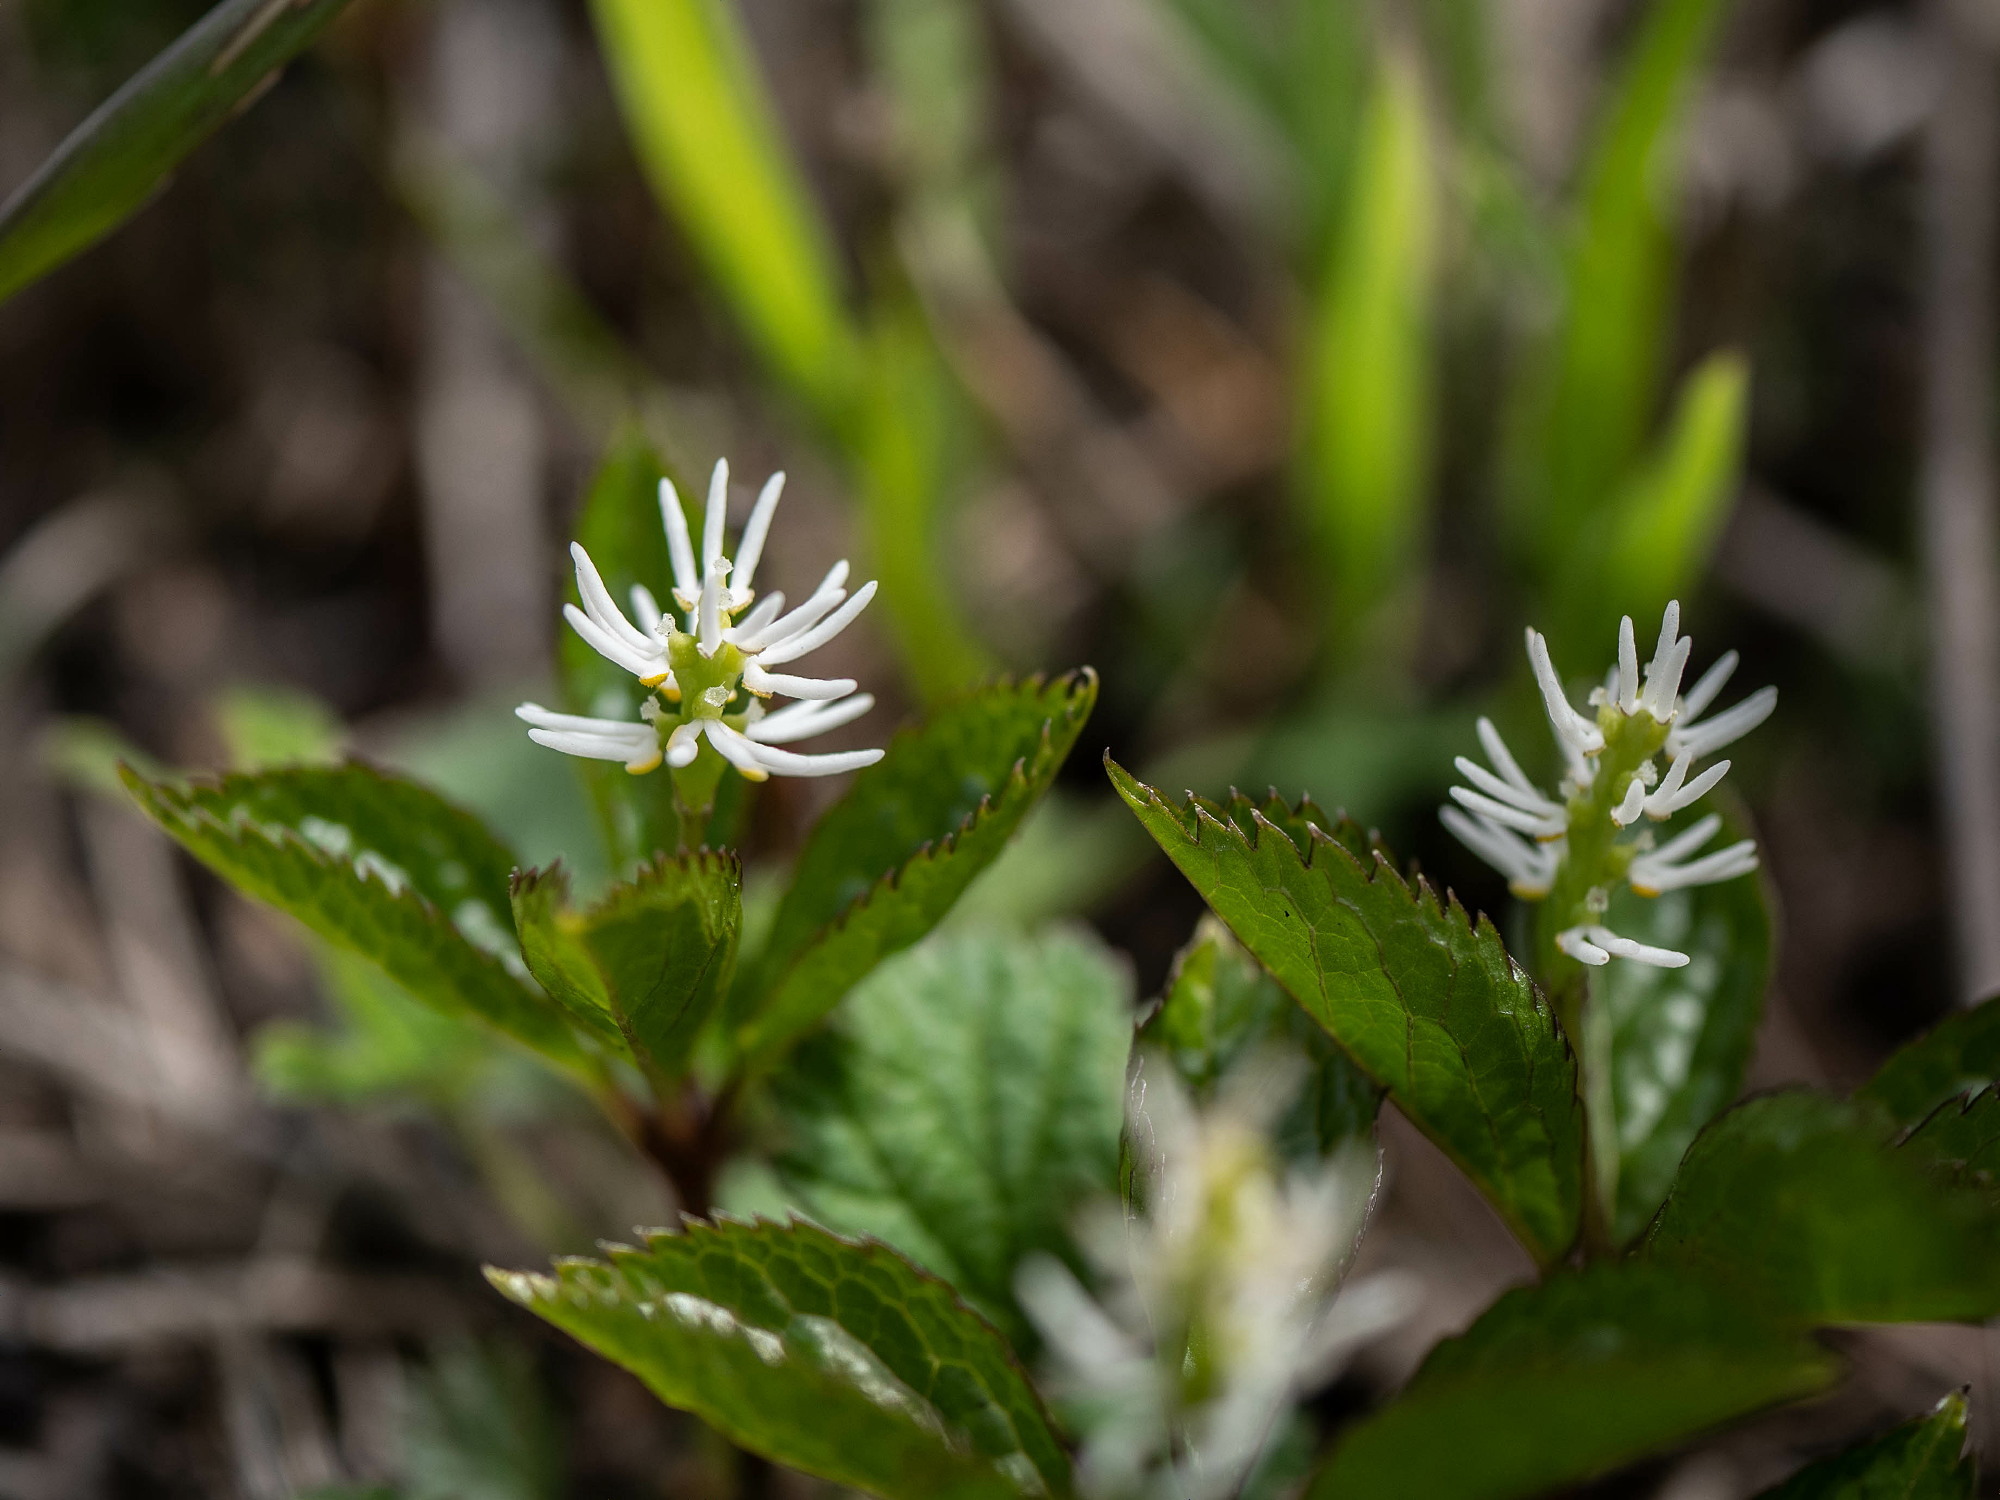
pixel 1279 358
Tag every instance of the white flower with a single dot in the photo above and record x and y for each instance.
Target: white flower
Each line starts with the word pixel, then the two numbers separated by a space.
pixel 697 661
pixel 1232 1258
pixel 1640 714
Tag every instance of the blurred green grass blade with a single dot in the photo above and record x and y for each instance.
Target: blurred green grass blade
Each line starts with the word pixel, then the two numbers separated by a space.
pixel 1589 408
pixel 1324 58
pixel 1368 411
pixel 708 136
pixel 114 161
pixel 1668 518
pixel 902 441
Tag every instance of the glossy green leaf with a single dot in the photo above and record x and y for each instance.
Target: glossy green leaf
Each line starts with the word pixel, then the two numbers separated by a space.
pixel 1589 408
pixel 1959 1054
pixel 645 966
pixel 967 1100
pixel 620 528
pixel 1802 1200
pixel 1221 1008
pixel 380 866
pixel 1678 1040
pixel 835 1357
pixel 1367 398
pixel 1561 1382
pixel 708 136
pixel 1961 1140
pixel 1921 1460
pixel 886 862
pixel 1422 997
pixel 111 165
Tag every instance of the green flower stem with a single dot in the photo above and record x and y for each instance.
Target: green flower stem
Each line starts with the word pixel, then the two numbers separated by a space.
pixel 1595 863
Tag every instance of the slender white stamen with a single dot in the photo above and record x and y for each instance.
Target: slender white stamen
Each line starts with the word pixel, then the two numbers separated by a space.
pixel 684 744
pixel 1623 947
pixel 710 623
pixel 735 749
pixel 687 579
pixel 1663 685
pixel 750 547
pixel 1528 799
pixel 768 609
pixel 1634 803
pixel 639 663
pixel 1502 758
pixel 1577 734
pixel 714 517
pixel 807 641
pixel 637 745
pixel 1707 686
pixel 1575 941
pixel 1529 868
pixel 799 720
pixel 646 609
pixel 1628 668
pixel 1667 801
pixel 1541 825
pixel 599 605
pixel 829 763
pixel 825 597
pixel 1727 727
pixel 1652 874
pixel 761 682
pixel 1688 839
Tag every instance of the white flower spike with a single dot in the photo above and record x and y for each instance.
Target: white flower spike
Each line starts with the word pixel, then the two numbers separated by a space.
pixel 709 670
pixel 1234 1255
pixel 1611 781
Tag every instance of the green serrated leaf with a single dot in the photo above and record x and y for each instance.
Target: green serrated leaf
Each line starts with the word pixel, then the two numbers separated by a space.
pixel 1678 1039
pixel 1961 1141
pixel 380 866
pixel 1921 1460
pixel 1959 1054
pixel 836 1357
pixel 645 966
pixel 111 164
pixel 1221 1007
pixel 887 861
pixel 1422 997
pixel 1802 1200
pixel 1657 537
pixel 967 1101
pixel 1561 1382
